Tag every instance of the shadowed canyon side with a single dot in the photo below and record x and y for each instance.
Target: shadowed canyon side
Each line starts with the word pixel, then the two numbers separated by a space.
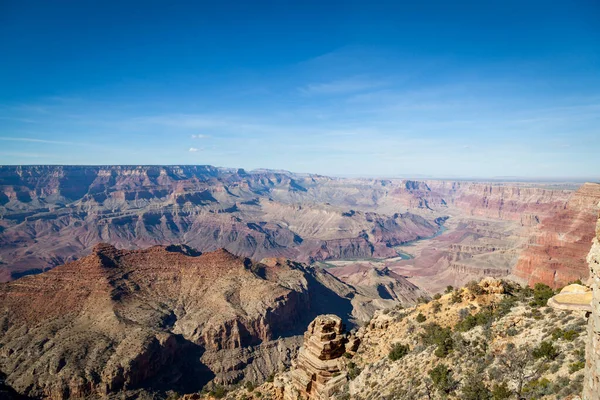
pixel 164 317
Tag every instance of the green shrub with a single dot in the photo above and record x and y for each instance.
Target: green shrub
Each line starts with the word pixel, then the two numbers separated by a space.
pixel 449 289
pixel 441 337
pixel 545 350
pixel 557 334
pixel 421 318
pixel 541 295
pixel 398 351
pixel 576 366
pixel 456 297
pixel 442 379
pixel 501 392
pixel 570 335
pixel 353 370
pixel 437 296
pixel 483 317
pixel 436 307
pixel 505 305
pixel 475 389
pixel 249 386
pixel 538 388
pixel 218 392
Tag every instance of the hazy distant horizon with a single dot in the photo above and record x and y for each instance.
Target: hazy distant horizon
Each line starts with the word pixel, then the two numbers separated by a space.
pixel 516 179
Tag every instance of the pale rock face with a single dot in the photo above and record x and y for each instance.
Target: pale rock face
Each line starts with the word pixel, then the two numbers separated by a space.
pixel 591 390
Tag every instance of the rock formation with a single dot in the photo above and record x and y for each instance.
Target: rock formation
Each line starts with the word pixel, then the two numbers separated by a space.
pixel 319 370
pixel 591 390
pixel 573 297
pixel 164 317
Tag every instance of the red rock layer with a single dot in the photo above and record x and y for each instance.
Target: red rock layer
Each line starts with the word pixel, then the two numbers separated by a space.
pixel 558 248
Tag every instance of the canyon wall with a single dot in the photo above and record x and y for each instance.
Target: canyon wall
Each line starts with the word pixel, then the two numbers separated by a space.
pixel 556 250
pixel 591 390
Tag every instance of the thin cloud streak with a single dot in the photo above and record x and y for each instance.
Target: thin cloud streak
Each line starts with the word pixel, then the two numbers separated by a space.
pixel 33 140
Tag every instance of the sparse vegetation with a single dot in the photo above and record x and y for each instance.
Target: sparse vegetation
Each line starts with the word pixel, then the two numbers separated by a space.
pixel 398 351
pixel 456 296
pixel 441 337
pixel 576 366
pixel 545 350
pixel 482 350
pixel 475 389
pixel 501 391
pixel 442 379
pixel 353 370
pixel 474 288
pixel 541 295
pixel 218 392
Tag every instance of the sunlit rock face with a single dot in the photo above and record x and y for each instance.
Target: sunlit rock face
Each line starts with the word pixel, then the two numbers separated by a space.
pixel 557 248
pixel 591 390
pixel 319 371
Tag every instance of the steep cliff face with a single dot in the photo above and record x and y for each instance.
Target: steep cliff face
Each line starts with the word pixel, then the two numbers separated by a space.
pixel 501 201
pixel 591 387
pixel 558 246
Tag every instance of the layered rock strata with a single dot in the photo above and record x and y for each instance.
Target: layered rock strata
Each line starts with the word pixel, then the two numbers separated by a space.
pixel 319 371
pixel 557 248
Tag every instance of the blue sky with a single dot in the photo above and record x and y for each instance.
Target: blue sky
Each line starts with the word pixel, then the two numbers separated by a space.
pixel 444 89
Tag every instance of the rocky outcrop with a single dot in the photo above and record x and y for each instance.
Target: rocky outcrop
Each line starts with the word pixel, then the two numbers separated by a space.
pixel 164 317
pixel 572 297
pixel 319 370
pixel 591 390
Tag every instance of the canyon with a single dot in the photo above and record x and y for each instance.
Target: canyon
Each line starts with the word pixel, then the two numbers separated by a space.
pixel 532 232
pixel 147 280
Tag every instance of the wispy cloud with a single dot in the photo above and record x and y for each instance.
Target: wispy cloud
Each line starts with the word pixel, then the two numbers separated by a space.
pixel 33 140
pixel 200 136
pixel 193 149
pixel 342 86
